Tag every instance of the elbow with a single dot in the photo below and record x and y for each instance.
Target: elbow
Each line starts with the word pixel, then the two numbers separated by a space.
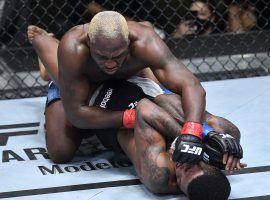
pixel 199 86
pixel 80 118
pixel 74 117
pixel 195 85
pixel 202 91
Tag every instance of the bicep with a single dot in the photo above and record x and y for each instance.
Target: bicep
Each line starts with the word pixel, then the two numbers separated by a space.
pixel 73 84
pixel 174 75
pixel 169 70
pixel 74 92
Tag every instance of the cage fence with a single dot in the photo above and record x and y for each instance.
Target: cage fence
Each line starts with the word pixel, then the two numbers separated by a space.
pixel 215 39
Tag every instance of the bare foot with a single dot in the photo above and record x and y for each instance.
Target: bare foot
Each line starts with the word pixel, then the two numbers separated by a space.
pixel 33 31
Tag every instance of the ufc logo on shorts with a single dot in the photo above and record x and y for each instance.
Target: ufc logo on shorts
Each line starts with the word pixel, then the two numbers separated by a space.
pixel 194 150
pixel 133 105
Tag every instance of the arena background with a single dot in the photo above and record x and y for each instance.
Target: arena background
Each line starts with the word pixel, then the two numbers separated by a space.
pixel 214 51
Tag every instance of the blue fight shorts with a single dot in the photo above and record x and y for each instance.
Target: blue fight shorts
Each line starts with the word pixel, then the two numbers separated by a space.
pixel 165 90
pixel 53 93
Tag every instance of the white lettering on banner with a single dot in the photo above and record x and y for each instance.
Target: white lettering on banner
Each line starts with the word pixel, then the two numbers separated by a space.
pixel 87 166
pixel 39 153
pixel 106 98
pixel 30 153
pixel 194 150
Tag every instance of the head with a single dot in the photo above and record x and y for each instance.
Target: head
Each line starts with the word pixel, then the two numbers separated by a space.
pixel 241 16
pixel 109 42
pixel 204 11
pixel 202 182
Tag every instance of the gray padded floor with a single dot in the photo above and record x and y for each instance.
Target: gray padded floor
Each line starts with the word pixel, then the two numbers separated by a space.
pixel 26 172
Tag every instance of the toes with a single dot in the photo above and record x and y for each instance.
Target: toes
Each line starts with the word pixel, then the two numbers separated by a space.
pixel 36 30
pixel 31 28
pixel 33 31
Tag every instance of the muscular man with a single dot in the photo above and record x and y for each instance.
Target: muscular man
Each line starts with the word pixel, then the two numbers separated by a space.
pixel 150 151
pixel 110 48
pixel 145 145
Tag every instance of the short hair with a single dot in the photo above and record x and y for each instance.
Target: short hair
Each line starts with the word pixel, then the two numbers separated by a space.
pixel 211 185
pixel 109 24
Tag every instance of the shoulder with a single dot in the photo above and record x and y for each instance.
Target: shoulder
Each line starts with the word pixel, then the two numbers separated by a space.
pixel 141 32
pixel 74 40
pixel 143 40
pixel 73 45
pixel 73 52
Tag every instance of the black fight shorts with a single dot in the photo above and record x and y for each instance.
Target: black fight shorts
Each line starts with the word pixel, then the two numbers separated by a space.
pixel 115 95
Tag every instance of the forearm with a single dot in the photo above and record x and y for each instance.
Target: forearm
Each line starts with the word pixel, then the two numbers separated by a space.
pixel 89 117
pixel 193 101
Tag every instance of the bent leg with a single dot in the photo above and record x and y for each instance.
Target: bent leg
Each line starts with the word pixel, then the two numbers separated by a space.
pixel 46 47
pixel 62 139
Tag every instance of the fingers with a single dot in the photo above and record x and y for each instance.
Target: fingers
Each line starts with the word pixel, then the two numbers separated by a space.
pixel 238 165
pixel 243 165
pixel 229 162
pixel 225 158
pixel 232 162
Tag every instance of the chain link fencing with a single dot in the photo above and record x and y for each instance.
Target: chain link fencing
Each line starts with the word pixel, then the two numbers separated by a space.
pixel 216 39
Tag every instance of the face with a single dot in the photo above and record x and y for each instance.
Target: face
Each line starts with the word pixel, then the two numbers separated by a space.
pixel 109 54
pixel 202 9
pixel 185 173
pixel 249 18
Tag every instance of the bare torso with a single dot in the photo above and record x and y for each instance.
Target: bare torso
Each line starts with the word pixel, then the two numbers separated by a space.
pixel 80 72
pixel 78 39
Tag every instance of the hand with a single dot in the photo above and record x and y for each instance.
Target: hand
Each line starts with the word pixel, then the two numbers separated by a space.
pixel 231 163
pixel 188 149
pixel 224 151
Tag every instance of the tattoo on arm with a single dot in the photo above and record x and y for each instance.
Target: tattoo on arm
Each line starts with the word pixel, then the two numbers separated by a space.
pixel 229 128
pixel 224 125
pixel 163 123
pixel 158 177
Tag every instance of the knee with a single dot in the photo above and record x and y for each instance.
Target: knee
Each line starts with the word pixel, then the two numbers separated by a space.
pixel 144 109
pixel 60 155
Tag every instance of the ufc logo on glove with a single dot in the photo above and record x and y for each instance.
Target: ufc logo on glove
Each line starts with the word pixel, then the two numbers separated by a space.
pixel 225 135
pixel 194 150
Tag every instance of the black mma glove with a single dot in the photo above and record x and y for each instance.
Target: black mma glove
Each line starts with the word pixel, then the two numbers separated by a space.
pixel 188 149
pixel 188 146
pixel 213 157
pixel 224 143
